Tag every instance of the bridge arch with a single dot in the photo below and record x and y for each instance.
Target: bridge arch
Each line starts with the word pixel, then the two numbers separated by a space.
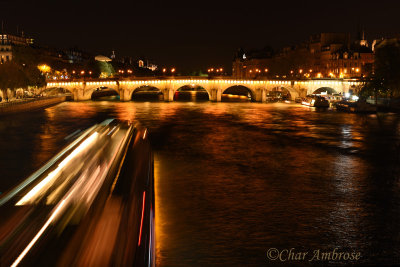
pixel 103 91
pixel 146 92
pixel 197 92
pixel 285 92
pixel 239 90
pixel 328 90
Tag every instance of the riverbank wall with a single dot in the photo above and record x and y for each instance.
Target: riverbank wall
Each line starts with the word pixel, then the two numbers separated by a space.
pixel 30 104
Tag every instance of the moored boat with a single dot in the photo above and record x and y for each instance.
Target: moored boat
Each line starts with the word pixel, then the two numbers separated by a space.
pixel 315 101
pixel 355 106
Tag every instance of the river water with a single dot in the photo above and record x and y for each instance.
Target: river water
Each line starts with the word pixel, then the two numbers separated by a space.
pixel 234 180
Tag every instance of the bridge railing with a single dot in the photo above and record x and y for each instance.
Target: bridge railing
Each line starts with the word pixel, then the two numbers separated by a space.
pixel 135 78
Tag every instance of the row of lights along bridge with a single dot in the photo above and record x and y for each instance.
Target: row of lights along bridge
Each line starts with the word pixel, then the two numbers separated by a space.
pixel 211 72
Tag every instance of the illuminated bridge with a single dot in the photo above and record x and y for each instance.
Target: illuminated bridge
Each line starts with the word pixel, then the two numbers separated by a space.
pixel 257 89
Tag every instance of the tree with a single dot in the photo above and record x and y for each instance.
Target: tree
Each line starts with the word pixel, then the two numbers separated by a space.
pixel 34 77
pixel 387 66
pixel 12 77
pixel 385 80
pixel 373 86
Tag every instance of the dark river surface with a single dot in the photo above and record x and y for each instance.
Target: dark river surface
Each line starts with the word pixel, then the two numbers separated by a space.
pixel 234 180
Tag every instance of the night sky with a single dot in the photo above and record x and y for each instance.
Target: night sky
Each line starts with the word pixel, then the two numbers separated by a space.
pixel 192 34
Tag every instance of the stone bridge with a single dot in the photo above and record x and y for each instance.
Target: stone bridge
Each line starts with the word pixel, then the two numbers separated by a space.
pixel 258 89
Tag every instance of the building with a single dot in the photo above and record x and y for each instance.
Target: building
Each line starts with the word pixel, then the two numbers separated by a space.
pixel 144 63
pixel 252 64
pixel 351 63
pixel 75 55
pixel 323 55
pixel 8 41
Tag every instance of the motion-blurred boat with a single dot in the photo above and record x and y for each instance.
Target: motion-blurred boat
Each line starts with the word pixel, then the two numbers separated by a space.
pixel 90 205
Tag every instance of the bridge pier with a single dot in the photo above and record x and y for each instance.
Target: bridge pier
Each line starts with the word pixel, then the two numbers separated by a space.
pixel 81 95
pixel 124 95
pixel 260 95
pixel 168 94
pixel 215 95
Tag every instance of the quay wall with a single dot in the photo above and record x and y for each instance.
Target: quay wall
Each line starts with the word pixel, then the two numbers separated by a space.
pixel 30 105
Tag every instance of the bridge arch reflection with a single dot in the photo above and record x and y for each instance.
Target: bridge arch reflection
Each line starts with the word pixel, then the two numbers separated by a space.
pixel 238 93
pixel 191 92
pixel 103 91
pixel 147 93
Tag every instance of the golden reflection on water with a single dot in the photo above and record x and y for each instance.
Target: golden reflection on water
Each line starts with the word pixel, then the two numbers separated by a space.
pixel 347 216
pixel 161 235
pixel 124 112
pixel 232 179
pixel 80 109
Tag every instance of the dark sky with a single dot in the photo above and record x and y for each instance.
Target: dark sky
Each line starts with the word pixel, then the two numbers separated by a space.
pixel 193 34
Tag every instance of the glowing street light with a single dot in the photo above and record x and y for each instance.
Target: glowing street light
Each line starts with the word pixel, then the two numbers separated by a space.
pixel 164 70
pixel 44 68
pixel 173 70
pixel 82 72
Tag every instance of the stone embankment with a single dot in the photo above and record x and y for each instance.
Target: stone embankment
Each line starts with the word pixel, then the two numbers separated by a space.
pixel 30 104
